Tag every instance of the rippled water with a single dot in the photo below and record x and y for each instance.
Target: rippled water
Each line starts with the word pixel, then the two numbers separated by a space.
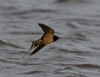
pixel 76 22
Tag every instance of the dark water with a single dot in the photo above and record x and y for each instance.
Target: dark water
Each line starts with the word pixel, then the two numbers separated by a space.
pixel 76 22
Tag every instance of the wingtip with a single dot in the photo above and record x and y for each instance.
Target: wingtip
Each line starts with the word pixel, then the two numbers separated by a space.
pixel 40 24
pixel 30 54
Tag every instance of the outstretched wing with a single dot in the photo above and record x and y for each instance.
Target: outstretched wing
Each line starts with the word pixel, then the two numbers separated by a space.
pixel 46 29
pixel 29 49
pixel 37 49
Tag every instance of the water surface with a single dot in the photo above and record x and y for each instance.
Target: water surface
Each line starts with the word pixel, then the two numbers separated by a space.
pixel 76 22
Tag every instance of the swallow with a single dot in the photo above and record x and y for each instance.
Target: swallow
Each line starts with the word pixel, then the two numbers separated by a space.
pixel 47 38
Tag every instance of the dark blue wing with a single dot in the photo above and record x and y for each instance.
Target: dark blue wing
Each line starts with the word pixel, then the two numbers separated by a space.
pixel 37 49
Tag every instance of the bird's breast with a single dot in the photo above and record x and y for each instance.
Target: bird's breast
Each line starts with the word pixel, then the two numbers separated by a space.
pixel 48 38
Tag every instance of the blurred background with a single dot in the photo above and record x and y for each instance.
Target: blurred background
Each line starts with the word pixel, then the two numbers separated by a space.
pixel 75 54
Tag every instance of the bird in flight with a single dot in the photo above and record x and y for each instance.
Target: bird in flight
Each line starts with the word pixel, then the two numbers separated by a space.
pixel 47 38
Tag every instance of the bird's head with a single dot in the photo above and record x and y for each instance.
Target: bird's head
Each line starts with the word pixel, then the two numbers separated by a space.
pixel 55 38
